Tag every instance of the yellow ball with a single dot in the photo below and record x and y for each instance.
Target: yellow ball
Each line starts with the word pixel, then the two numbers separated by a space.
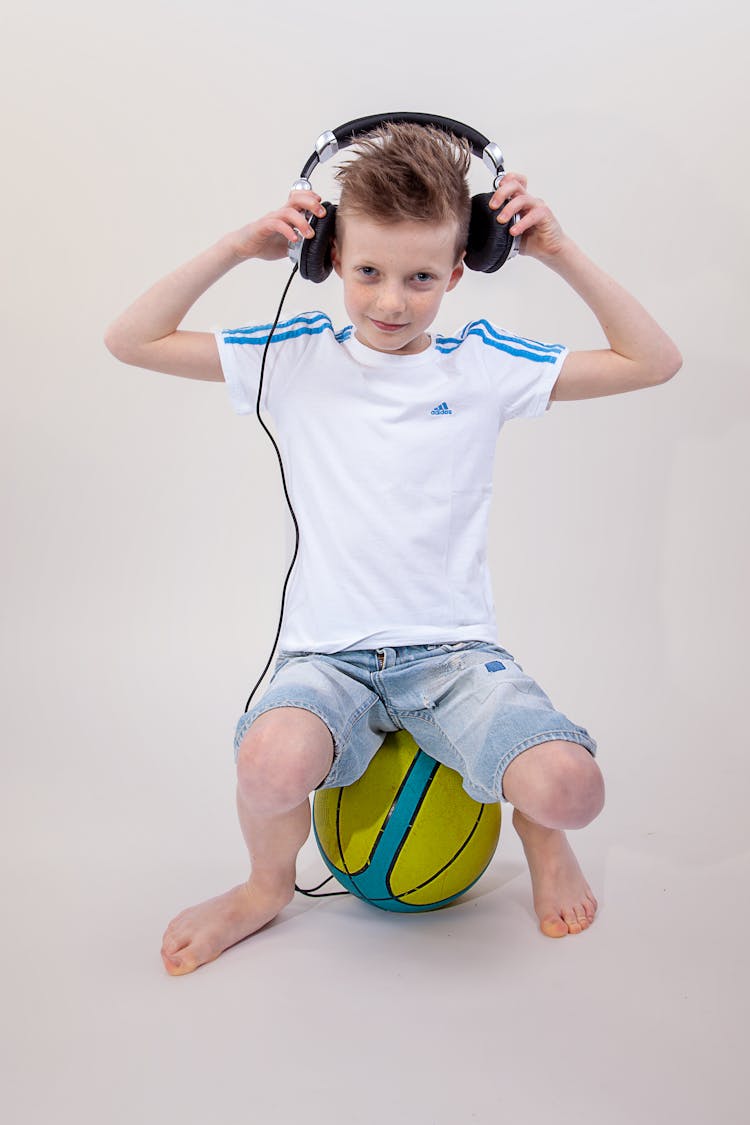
pixel 406 836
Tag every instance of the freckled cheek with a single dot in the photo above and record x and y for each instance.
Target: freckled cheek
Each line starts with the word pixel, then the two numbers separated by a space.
pixel 354 301
pixel 426 308
pixel 358 298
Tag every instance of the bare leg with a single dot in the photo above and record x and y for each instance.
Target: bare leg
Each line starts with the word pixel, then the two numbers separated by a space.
pixel 554 786
pixel 284 756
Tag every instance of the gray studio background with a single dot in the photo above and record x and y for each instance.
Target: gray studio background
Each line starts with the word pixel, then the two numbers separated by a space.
pixel 144 546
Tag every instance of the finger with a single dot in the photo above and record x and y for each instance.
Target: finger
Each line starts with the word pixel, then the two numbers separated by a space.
pixel 513 183
pixel 519 176
pixel 307 201
pixel 531 218
pixel 298 220
pixel 301 215
pixel 507 208
pixel 516 205
pixel 292 230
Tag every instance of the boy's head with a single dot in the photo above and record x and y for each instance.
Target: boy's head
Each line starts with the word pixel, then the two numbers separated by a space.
pixel 401 231
pixel 408 172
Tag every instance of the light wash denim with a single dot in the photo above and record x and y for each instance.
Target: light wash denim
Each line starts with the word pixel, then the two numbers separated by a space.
pixel 468 705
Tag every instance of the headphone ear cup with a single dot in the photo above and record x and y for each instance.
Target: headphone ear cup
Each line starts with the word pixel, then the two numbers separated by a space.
pixel 315 259
pixel 489 242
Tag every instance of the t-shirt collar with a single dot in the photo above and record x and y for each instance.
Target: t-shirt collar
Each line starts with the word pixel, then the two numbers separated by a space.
pixel 370 357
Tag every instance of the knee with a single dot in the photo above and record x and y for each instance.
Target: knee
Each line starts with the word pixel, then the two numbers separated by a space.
pixel 557 784
pixel 575 794
pixel 276 769
pixel 267 778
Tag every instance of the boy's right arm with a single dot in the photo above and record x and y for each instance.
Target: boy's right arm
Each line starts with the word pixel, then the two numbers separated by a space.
pixel 147 334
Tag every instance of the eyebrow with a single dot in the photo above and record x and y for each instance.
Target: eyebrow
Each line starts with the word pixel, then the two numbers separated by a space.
pixel 361 260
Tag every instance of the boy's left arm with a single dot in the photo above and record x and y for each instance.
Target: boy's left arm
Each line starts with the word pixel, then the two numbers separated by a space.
pixel 640 353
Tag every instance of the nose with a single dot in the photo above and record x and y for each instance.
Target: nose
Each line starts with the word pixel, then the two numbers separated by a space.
pixel 391 300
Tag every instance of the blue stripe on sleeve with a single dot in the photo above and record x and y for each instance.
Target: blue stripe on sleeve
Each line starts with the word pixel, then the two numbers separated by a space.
pixel 257 334
pixel 512 345
pixel 525 341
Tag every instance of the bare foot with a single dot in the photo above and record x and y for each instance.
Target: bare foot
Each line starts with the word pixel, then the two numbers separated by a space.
pixel 562 898
pixel 201 933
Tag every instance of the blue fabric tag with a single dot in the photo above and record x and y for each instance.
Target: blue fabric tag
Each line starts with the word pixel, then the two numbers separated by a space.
pixel 494 666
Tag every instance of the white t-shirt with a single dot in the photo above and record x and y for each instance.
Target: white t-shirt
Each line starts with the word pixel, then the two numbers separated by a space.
pixel 389 462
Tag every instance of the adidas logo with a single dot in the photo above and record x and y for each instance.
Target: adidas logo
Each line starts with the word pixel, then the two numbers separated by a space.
pixel 441 409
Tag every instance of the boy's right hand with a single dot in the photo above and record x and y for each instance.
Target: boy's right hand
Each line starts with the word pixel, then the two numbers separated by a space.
pixel 268 238
pixel 148 335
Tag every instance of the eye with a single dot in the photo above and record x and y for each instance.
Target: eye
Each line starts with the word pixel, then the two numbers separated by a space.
pixel 367 271
pixel 422 277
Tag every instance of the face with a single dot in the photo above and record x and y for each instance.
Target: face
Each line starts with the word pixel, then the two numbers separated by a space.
pixel 395 276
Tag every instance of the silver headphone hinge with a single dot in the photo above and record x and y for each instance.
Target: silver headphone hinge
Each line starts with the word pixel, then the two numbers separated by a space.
pixel 493 157
pixel 326 146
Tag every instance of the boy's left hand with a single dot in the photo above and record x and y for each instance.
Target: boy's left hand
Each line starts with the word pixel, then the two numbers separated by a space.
pixel 541 234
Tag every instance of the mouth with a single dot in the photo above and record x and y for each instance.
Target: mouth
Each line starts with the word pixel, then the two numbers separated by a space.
pixel 382 326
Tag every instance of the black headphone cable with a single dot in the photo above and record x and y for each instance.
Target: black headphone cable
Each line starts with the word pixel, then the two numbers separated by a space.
pixel 311 891
pixel 283 483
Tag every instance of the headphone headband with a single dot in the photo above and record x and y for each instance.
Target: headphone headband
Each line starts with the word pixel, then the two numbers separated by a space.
pixel 330 142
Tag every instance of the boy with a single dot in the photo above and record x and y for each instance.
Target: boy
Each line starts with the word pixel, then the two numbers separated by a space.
pixel 387 436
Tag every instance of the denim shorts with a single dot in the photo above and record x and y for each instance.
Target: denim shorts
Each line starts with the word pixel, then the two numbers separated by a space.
pixel 468 705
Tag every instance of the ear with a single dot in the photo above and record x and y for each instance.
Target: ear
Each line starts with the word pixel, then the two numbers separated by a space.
pixel 335 257
pixel 456 275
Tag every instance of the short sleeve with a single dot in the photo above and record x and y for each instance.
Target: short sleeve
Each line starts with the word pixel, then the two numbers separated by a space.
pixel 241 355
pixel 521 371
pixel 533 377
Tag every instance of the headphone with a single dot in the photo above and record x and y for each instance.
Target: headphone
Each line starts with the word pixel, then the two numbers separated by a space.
pixel 490 244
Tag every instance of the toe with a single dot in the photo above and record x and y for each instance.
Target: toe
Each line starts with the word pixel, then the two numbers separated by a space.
pixel 553 926
pixel 172 944
pixel 175 953
pixel 180 961
pixel 572 922
pixel 177 968
pixel 172 962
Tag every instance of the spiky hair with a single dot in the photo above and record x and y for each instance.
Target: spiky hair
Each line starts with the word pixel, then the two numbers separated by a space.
pixel 409 172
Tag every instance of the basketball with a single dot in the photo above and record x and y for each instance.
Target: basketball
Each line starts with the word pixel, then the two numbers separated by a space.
pixel 406 836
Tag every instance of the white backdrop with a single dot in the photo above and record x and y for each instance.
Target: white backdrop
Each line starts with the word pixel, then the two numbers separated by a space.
pixel 143 522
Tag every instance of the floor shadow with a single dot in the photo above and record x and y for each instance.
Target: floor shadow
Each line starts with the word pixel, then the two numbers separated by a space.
pixel 498 876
